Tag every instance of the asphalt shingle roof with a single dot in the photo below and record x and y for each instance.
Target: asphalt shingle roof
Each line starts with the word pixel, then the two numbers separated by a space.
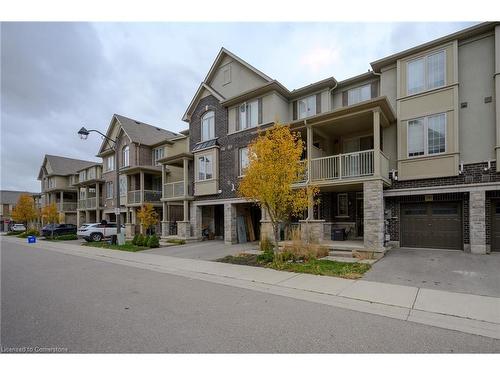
pixel 64 166
pixel 11 196
pixel 143 133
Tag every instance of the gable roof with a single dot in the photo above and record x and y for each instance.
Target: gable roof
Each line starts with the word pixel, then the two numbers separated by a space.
pixel 138 132
pixel 213 69
pixel 64 166
pixel 11 196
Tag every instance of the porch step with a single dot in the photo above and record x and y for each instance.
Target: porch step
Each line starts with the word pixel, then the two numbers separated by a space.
pixel 340 253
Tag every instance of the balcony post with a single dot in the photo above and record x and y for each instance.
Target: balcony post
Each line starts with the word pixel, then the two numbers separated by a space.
pixel 376 142
pixel 61 200
pixel 97 204
pixel 309 146
pixel 141 192
pixel 163 179
pixel 185 178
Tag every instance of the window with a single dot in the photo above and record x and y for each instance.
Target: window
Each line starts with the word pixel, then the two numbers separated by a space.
pixel 109 163
pixel 82 176
pixel 359 94
pixel 243 162
pixel 125 156
pixel 426 73
pixel 205 168
pixel 109 189
pixel 123 185
pixel 91 173
pixel 52 183
pixel 208 126
pixel 427 135
pixel 343 205
pixel 82 194
pixel 158 153
pixel 307 106
pixel 248 115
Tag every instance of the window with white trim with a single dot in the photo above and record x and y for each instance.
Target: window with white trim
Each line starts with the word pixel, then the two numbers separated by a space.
pixel 248 115
pixel 343 205
pixel 306 106
pixel 427 135
pixel 109 189
pixel 359 94
pixel 426 73
pixel 205 167
pixel 125 156
pixel 208 126
pixel 82 176
pixel 243 160
pixel 109 163
pixel 158 153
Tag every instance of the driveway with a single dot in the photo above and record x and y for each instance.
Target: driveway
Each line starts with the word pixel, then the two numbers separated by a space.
pixel 205 250
pixel 449 270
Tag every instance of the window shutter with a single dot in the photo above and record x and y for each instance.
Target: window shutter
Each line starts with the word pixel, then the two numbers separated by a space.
pixel 374 89
pixel 318 103
pixel 237 122
pixel 294 105
pixel 259 104
pixel 344 99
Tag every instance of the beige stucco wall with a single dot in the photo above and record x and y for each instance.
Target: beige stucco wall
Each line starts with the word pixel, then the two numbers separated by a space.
pixel 242 79
pixel 207 187
pixel 390 145
pixel 389 83
pixel 337 94
pixel 476 67
pixel 175 174
pixel 439 100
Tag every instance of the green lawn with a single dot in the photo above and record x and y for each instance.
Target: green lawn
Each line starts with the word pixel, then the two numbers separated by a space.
pixel 315 267
pixel 127 247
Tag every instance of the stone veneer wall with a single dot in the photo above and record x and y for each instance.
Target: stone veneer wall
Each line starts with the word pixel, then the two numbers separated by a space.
pixel 373 202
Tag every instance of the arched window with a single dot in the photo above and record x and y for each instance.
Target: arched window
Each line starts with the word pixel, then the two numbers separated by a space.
pixel 125 157
pixel 208 126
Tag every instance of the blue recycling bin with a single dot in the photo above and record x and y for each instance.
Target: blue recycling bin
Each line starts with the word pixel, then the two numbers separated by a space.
pixel 31 239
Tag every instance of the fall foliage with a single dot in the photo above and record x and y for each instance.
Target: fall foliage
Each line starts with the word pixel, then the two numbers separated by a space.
pixel 50 214
pixel 147 216
pixel 24 211
pixel 274 165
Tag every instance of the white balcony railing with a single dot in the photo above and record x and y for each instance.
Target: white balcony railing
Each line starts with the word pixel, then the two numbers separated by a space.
pixel 173 189
pixel 354 164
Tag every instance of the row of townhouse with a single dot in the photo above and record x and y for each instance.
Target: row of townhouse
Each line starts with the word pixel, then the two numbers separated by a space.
pixel 404 154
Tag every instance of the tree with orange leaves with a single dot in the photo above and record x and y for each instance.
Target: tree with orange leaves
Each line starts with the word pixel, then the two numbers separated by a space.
pixel 24 211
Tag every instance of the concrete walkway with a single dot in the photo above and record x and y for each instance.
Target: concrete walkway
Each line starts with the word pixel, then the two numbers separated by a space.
pixel 456 311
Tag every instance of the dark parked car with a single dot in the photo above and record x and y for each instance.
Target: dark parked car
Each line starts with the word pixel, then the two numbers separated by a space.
pixel 58 229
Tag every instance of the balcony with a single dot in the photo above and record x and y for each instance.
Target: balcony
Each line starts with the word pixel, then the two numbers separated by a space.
pixel 173 190
pixel 67 206
pixel 354 165
pixel 143 196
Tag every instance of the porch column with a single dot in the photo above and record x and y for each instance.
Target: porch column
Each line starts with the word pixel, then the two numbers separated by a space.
pixel 185 177
pixel 186 210
pixel 61 200
pixel 497 94
pixel 163 177
pixel 164 222
pixel 141 186
pixel 376 142
pixel 97 202
pixel 266 228
pixel 196 220
pixel 230 234
pixel 373 206
pixel 87 216
pixel 477 222
pixel 309 140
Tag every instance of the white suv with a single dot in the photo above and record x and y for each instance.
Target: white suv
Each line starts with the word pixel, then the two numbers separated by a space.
pixel 97 231
pixel 18 228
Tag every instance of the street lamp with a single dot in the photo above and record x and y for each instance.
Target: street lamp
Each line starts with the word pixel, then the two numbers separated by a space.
pixel 84 133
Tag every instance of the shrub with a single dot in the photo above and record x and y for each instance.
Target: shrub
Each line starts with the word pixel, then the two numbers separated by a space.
pixel 266 245
pixel 154 241
pixel 298 250
pixel 176 241
pixel 134 240
pixel 145 240
pixel 29 232
pixel 65 237
pixel 140 240
pixel 266 257
pixel 13 233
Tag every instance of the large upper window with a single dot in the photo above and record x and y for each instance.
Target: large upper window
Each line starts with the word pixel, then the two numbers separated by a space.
pixel 243 160
pixel 125 156
pixel 426 73
pixel 109 189
pixel 307 106
pixel 359 94
pixel 205 168
pixel 208 126
pixel 248 115
pixel 427 135
pixel 158 153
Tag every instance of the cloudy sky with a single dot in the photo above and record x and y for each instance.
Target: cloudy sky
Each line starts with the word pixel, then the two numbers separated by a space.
pixel 56 77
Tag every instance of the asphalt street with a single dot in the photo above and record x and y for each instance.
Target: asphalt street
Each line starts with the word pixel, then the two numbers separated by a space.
pixel 63 302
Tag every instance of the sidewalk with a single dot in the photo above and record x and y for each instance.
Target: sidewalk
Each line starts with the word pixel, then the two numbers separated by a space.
pixel 456 311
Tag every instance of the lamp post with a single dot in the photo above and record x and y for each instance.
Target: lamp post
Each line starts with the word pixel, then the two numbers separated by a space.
pixel 84 133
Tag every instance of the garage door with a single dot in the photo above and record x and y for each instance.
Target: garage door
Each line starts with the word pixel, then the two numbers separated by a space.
pixel 495 226
pixel 432 224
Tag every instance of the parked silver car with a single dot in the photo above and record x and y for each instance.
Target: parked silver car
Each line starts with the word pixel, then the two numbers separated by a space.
pixel 97 231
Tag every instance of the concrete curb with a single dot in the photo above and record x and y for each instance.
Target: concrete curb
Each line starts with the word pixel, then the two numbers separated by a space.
pixel 467 313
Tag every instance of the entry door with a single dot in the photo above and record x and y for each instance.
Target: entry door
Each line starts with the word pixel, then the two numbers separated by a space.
pixel 435 225
pixel 495 226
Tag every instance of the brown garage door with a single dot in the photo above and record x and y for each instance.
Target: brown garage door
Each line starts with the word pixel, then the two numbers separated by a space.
pixel 495 226
pixel 432 224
